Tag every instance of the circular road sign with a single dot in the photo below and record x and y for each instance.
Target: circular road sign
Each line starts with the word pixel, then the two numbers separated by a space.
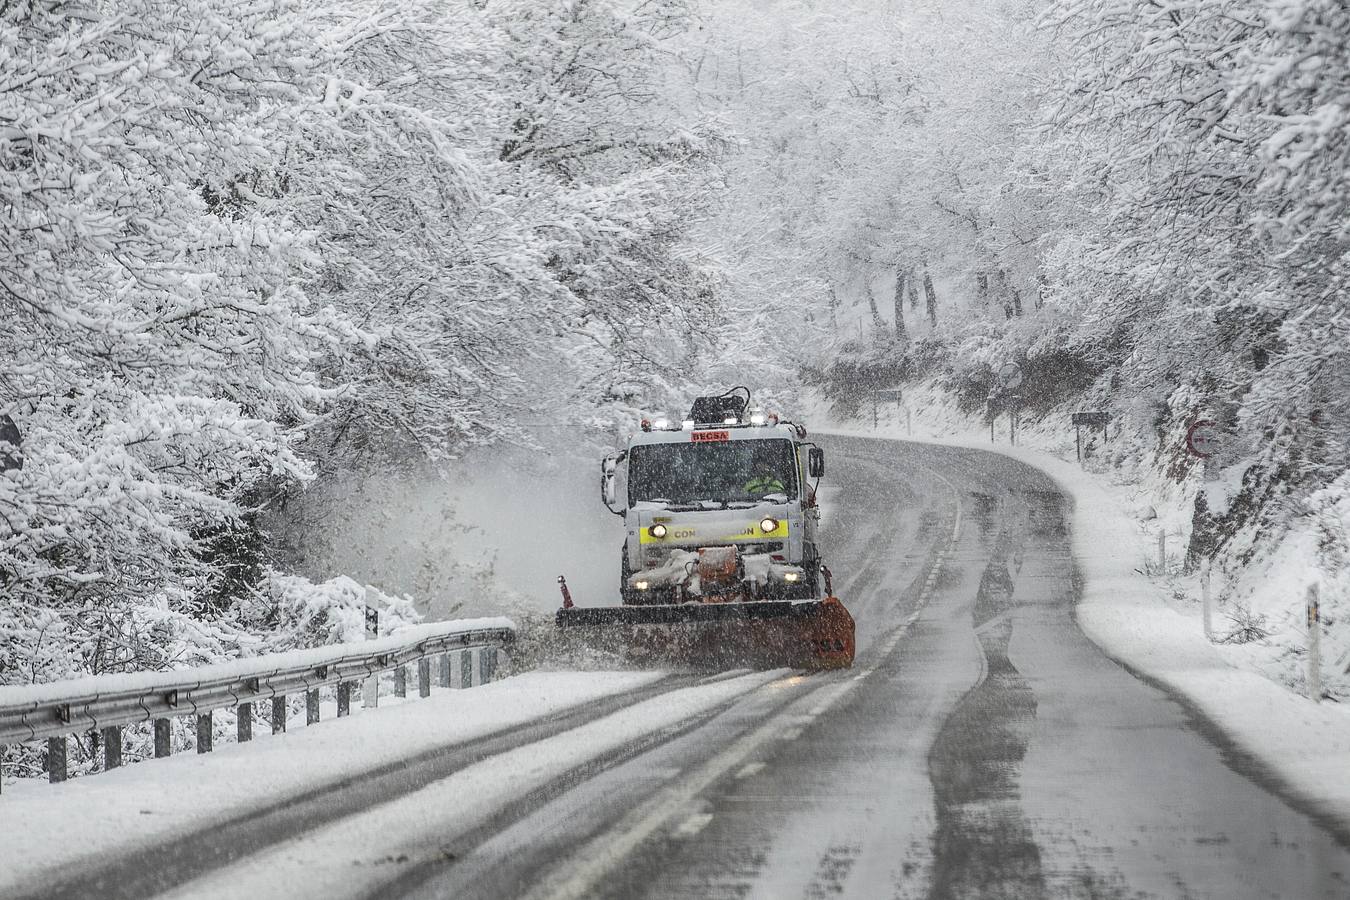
pixel 1010 373
pixel 1202 439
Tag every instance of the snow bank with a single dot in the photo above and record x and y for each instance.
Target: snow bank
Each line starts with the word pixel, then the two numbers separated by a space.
pixel 51 827
pixel 452 806
pixel 1304 746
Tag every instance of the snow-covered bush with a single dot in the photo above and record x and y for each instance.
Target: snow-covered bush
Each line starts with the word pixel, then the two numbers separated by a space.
pixel 295 612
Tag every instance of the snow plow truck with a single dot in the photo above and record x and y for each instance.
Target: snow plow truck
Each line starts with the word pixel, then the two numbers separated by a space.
pixel 720 564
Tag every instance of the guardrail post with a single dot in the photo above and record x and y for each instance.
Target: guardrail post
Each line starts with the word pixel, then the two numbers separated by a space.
pixel 243 717
pixel 487 662
pixel 56 759
pixel 205 733
pixel 401 681
pixel 311 706
pixel 370 692
pixel 163 741
pixel 370 688
pixel 443 670
pixel 424 677
pixel 279 714
pixel 1162 552
pixel 344 698
pixel 112 747
pixel 466 668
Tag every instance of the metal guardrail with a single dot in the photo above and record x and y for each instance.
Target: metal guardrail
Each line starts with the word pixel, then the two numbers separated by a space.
pixel 55 711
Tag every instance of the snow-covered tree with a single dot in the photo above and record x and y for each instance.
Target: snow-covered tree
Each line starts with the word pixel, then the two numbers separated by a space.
pixel 157 353
pixel 498 194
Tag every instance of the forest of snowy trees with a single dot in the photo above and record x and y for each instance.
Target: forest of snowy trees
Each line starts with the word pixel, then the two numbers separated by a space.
pixel 247 245
pixel 1145 206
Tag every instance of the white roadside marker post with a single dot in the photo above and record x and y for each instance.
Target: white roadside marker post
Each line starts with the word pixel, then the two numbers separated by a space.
pixel 370 688
pixel 1206 609
pixel 1314 645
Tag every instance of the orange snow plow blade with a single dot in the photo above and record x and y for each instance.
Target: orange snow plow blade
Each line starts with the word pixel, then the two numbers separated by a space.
pixel 799 634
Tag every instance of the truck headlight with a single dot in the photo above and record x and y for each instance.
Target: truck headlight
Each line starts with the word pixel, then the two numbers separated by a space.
pixel 657 531
pixel 790 576
pixel 768 524
pixel 642 585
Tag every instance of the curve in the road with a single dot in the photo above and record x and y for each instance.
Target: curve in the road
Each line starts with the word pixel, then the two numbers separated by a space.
pixel 982 747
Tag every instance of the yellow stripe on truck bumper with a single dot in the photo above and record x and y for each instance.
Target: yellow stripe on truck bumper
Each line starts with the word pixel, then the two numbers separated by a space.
pixel 677 534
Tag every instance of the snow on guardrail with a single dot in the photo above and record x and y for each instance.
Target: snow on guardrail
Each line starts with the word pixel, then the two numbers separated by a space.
pixel 55 710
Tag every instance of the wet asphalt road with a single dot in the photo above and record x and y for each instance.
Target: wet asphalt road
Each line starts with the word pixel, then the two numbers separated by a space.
pixel 994 752
pixel 980 748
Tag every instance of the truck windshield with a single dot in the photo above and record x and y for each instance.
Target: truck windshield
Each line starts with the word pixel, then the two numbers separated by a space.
pixel 722 472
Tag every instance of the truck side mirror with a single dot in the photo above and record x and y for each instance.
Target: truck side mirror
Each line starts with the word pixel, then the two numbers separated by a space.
pixel 815 462
pixel 608 467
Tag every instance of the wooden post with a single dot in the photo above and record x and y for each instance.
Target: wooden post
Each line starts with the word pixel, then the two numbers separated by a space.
pixel 1314 645
pixel 443 670
pixel 204 732
pixel 424 677
pixel 1206 605
pixel 344 698
pixel 1162 551
pixel 312 706
pixel 1078 441
pixel 112 747
pixel 401 681
pixel 163 738
pixel 243 719
pixel 279 715
pixel 466 668
pixel 56 759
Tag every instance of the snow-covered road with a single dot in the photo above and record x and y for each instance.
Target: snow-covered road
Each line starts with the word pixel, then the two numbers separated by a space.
pixel 982 747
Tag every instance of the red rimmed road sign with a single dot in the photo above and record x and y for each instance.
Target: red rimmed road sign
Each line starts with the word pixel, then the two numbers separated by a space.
pixel 1202 439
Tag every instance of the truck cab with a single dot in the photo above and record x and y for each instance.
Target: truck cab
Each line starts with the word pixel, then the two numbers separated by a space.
pixel 725 476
